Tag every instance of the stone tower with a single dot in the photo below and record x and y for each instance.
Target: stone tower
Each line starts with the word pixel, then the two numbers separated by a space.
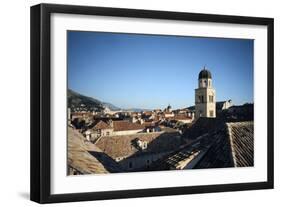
pixel 205 96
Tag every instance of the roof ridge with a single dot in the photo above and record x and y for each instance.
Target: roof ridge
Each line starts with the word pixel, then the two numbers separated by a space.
pixel 229 132
pixel 241 142
pixel 102 124
pixel 239 122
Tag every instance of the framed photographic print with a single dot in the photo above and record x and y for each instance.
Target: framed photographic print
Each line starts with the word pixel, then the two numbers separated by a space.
pixel 132 103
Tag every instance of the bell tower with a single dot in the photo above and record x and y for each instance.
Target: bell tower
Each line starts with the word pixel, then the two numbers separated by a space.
pixel 205 96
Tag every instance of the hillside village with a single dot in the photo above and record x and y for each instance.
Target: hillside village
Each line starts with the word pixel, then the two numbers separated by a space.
pixel 211 134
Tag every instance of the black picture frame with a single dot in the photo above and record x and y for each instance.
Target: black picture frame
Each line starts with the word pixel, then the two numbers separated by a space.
pixel 41 95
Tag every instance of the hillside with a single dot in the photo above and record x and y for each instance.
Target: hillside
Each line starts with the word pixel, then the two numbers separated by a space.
pixel 76 100
pixel 111 106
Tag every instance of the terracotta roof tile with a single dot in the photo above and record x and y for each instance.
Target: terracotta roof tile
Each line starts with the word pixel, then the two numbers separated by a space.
pixel 233 146
pixel 126 125
pixel 181 117
pixel 102 125
pixel 87 158
pixel 242 143
pixel 121 146
pixel 230 146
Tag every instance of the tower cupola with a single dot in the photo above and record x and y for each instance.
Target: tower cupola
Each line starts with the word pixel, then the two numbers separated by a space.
pixel 205 78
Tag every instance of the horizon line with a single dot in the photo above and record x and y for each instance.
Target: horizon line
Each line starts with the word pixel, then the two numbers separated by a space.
pixel 145 108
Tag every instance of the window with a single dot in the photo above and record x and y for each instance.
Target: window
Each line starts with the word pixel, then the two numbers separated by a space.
pixel 99 133
pixel 211 99
pixel 130 164
pixel 107 133
pixel 144 145
pixel 211 113
pixel 200 99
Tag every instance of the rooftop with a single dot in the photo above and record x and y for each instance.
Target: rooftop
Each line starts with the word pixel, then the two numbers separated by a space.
pixel 242 143
pixel 87 158
pixel 233 146
pixel 126 125
pixel 229 146
pixel 182 117
pixel 102 125
pixel 121 146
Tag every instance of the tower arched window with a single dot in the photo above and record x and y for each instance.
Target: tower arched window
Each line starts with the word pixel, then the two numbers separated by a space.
pixel 200 99
pixel 211 98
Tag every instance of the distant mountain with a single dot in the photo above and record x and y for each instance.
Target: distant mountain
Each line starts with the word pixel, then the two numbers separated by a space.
pixel 77 100
pixel 111 106
pixel 136 109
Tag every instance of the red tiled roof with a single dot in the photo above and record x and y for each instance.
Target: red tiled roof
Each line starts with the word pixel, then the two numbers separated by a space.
pixel 102 125
pixel 148 123
pixel 121 146
pixel 181 117
pixel 147 112
pixel 168 112
pixel 126 125
pixel 87 158
pixel 80 113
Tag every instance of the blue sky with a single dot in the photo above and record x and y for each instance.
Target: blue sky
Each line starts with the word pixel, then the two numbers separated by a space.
pixel 152 71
